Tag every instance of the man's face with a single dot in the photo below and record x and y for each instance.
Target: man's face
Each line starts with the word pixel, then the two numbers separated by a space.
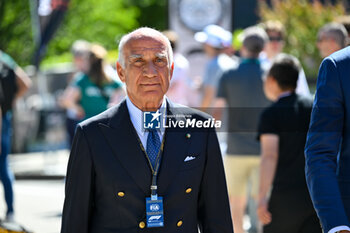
pixel 147 71
pixel 326 45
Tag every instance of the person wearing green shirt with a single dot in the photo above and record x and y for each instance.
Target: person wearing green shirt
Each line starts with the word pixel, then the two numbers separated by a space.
pixel 92 92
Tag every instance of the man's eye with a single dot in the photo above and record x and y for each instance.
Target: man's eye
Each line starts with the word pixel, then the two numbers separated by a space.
pixel 138 61
pixel 160 61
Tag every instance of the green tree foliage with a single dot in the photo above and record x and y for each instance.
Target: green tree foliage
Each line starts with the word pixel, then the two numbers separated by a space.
pixel 103 21
pixel 153 13
pixel 302 20
pixel 15 30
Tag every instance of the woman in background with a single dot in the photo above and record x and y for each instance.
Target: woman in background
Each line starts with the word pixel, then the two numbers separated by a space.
pixel 93 91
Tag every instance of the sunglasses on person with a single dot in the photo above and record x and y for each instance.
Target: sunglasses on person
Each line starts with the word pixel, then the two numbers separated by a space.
pixel 275 38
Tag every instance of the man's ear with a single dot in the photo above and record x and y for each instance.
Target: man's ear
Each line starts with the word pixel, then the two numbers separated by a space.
pixel 171 70
pixel 273 84
pixel 270 80
pixel 121 72
pixel 274 81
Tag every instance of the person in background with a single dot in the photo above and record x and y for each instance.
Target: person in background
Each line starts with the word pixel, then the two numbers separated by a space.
pixel 180 83
pixel 92 92
pixel 15 82
pixel 215 39
pixel 345 21
pixel 80 51
pixel 274 46
pixel 240 91
pixel 2 100
pixel 282 133
pixel 331 38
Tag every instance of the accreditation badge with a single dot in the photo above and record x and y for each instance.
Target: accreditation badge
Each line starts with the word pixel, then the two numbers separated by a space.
pixel 154 212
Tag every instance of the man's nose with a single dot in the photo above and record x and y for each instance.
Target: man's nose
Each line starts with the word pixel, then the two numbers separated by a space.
pixel 150 70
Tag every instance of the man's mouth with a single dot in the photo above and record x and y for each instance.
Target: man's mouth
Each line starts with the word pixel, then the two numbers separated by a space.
pixel 150 84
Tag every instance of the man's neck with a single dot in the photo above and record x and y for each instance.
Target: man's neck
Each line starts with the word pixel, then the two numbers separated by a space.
pixel 150 106
pixel 284 93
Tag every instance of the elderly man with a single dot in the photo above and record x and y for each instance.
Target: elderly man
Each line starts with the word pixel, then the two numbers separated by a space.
pixel 331 38
pixel 123 177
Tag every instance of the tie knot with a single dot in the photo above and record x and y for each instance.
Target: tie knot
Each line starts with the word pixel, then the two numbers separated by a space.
pixel 152 130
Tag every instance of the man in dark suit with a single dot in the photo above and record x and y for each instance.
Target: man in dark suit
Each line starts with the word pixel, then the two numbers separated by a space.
pixel 113 162
pixel 327 149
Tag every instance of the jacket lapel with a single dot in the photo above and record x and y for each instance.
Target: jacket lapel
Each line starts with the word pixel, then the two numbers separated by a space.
pixel 122 138
pixel 175 148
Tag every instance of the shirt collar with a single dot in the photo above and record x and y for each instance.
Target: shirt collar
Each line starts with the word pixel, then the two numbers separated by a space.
pixel 285 94
pixel 137 118
pixel 250 60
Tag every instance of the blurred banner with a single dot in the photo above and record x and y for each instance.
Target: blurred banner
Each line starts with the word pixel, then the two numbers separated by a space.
pixel 49 15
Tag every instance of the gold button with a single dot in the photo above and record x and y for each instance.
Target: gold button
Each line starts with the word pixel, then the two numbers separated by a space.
pixel 142 225
pixel 179 223
pixel 121 194
pixel 188 190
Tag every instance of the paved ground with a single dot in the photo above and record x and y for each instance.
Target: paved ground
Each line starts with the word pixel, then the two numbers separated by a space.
pixel 38 204
pixel 39 189
pixel 40 165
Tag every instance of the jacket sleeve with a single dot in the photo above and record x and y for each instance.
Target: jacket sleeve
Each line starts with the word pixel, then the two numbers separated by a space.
pixel 214 208
pixel 322 147
pixel 79 187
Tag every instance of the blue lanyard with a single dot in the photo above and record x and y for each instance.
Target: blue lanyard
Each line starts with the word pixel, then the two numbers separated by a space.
pixel 155 169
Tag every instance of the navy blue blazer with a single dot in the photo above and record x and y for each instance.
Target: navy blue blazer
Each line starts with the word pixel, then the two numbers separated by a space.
pixel 327 148
pixel 108 178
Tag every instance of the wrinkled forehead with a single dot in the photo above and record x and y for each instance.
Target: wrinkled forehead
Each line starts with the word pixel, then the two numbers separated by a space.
pixel 143 43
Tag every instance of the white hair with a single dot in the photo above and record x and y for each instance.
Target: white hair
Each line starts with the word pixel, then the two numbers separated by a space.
pixel 335 31
pixel 138 33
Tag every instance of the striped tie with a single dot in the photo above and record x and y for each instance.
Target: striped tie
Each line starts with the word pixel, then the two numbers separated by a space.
pixel 153 146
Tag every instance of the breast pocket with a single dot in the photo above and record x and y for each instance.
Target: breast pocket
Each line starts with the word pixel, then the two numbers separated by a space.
pixel 192 161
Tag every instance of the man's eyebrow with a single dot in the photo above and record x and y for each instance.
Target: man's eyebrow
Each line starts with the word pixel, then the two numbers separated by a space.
pixel 133 56
pixel 161 55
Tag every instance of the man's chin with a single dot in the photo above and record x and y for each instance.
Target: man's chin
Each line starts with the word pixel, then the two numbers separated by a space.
pixel 153 94
pixel 151 104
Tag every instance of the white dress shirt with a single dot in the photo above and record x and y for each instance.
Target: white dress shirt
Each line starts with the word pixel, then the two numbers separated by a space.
pixel 338 229
pixel 137 121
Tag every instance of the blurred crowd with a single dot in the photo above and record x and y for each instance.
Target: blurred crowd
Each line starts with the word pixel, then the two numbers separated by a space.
pixel 243 86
